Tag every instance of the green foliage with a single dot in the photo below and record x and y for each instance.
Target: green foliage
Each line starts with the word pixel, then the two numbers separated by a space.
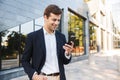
pixel 16 43
pixel 75 26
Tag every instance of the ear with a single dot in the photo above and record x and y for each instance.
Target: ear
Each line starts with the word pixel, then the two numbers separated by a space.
pixel 45 17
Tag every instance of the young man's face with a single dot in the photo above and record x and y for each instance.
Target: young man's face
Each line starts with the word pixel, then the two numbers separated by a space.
pixel 52 22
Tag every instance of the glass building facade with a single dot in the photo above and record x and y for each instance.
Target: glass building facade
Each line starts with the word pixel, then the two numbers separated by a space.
pixel 13 42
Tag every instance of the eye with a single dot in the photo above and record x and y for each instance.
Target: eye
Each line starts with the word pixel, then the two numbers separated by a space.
pixel 56 20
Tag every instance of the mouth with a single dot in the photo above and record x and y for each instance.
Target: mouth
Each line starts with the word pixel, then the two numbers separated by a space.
pixel 54 26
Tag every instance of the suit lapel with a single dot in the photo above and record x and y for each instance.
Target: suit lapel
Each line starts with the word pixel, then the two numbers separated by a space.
pixel 57 42
pixel 42 39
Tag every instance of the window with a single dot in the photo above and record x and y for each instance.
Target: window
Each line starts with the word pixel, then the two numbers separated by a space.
pixel 93 39
pixel 76 32
pixel 12 45
pixel 10 48
pixel 39 23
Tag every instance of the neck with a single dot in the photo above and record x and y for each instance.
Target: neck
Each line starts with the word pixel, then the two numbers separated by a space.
pixel 49 31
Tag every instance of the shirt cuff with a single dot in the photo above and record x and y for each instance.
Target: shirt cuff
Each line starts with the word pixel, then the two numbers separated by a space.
pixel 34 74
pixel 67 56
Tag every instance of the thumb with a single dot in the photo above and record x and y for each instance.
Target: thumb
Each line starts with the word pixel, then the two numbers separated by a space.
pixel 45 78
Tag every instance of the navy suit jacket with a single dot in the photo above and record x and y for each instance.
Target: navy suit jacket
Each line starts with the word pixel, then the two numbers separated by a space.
pixel 34 55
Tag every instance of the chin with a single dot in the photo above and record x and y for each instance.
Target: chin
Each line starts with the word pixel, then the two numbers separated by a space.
pixel 54 29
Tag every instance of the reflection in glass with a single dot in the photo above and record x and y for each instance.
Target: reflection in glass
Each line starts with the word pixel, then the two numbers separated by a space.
pixel 92 43
pixel 39 23
pixel 13 43
pixel 75 33
pixel 27 27
pixel 10 48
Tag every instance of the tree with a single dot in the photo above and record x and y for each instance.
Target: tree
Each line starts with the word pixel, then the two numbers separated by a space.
pixel 16 42
pixel 2 34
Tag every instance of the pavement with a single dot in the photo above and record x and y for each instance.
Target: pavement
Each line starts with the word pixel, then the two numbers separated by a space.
pixel 99 66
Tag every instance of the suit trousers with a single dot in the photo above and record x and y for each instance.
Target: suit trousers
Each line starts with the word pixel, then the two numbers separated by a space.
pixel 53 77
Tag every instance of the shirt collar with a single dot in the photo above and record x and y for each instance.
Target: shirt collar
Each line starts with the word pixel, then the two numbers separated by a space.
pixel 46 33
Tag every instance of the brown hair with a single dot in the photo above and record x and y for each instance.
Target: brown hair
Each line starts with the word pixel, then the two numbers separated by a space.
pixel 52 9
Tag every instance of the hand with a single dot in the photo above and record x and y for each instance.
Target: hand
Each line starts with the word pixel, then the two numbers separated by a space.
pixel 68 48
pixel 39 77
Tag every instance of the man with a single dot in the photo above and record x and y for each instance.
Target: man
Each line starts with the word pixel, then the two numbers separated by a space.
pixel 46 50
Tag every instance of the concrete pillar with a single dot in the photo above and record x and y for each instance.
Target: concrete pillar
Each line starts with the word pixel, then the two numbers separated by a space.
pixel 105 41
pixel 91 59
pixel 65 22
pixel 86 42
pixel 98 32
pixel 98 39
pixel 86 36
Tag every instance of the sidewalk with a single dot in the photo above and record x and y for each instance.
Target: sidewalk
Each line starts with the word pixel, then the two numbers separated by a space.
pixel 105 68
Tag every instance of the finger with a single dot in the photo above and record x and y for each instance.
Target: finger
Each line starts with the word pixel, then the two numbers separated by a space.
pixel 45 78
pixel 36 77
pixel 72 43
pixel 41 77
pixel 69 46
pixel 66 48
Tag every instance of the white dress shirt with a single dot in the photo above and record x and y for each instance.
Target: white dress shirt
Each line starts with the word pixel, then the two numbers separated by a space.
pixel 51 63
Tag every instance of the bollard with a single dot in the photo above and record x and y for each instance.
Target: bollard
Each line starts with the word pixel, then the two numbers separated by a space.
pixel 91 59
pixel 118 62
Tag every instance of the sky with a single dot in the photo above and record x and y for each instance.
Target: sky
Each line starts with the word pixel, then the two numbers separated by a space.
pixel 115 7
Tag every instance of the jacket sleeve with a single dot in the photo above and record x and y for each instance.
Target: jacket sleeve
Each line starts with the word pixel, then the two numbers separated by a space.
pixel 27 54
pixel 64 58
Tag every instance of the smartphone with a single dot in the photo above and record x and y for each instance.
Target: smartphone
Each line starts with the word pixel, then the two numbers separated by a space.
pixel 69 42
pixel 71 38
